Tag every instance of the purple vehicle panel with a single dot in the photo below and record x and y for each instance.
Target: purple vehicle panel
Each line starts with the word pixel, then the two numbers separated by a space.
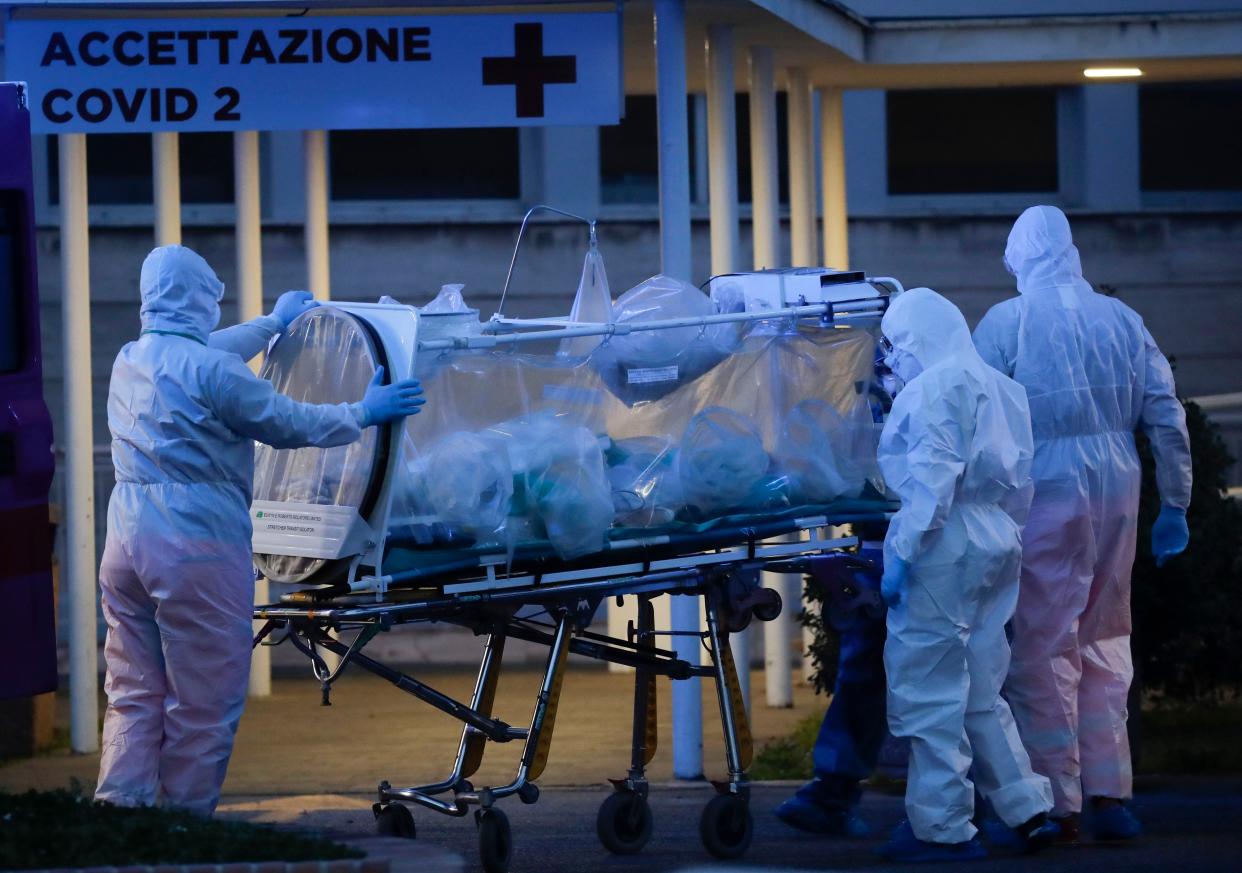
pixel 28 644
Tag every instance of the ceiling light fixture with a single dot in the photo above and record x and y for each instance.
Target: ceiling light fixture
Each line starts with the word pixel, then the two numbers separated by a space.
pixel 1112 72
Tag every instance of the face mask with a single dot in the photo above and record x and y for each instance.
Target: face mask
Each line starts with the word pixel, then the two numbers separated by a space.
pixel 903 365
pixel 891 384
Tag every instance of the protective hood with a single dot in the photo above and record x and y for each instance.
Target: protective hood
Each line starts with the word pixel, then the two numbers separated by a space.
pixel 1041 251
pixel 180 293
pixel 927 327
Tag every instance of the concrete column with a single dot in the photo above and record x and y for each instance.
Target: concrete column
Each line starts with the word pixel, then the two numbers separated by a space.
pixel 166 162
pixel 866 152
pixel 1110 147
pixel 675 261
pixel 805 248
pixel 764 167
pixel 722 194
pixel 315 151
pixel 674 147
pixel 560 167
pixel 248 239
pixel 722 149
pixel 79 510
pixel 832 174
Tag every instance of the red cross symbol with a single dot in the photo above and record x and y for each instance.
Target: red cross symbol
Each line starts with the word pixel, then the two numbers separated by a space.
pixel 530 69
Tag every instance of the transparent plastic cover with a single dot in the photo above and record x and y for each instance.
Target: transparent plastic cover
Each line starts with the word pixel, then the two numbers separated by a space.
pixel 327 356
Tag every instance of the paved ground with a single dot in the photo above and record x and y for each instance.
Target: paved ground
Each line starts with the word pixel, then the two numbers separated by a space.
pixel 298 763
pixel 1194 825
pixel 289 744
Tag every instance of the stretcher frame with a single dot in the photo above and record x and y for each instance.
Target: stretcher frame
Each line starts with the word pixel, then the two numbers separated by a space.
pixel 727 579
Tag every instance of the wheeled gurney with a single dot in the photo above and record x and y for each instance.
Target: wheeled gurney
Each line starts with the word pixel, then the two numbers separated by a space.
pixel 557 466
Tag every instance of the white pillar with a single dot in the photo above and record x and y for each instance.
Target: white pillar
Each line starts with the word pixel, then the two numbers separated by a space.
pixel 674 150
pixel 777 639
pixel 166 162
pixel 764 168
pixel 722 149
pixel 248 239
pixel 670 21
pixel 722 196
pixel 316 157
pixel 740 644
pixel 805 248
pixel 79 509
pixel 832 169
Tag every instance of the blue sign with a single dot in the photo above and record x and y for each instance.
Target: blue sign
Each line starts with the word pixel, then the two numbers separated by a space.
pixel 308 73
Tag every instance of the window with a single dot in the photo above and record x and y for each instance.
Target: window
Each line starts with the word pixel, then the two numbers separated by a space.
pixel 629 154
pixel 743 148
pixel 1190 137
pixel 984 141
pixel 467 164
pixel 119 167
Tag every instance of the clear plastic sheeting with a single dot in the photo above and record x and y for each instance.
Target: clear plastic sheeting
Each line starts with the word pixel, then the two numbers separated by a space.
pixel 649 364
pixel 782 421
pixel 516 448
pixel 721 463
pixel 592 305
pixel 326 356
pixel 449 300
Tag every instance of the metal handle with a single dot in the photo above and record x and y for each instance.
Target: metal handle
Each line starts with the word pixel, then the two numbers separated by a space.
pixel 589 222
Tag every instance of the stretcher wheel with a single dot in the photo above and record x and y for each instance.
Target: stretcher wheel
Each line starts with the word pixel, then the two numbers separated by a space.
pixel 726 826
pixel 495 840
pixel 624 823
pixel 769 606
pixel 394 820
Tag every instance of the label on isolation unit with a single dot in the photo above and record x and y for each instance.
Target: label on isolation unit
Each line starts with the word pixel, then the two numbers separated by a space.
pixel 304 529
pixel 648 375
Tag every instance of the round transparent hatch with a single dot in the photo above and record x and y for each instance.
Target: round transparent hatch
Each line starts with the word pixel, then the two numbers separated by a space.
pixel 327 356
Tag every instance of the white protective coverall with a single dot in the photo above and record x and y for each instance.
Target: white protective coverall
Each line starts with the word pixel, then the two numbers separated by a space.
pixel 176 579
pixel 1092 374
pixel 957 450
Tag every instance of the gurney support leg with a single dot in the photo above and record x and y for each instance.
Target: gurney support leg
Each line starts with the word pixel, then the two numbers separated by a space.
pixel 624 822
pixel 726 826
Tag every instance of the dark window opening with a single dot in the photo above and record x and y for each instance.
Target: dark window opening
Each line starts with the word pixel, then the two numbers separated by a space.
pixel 743 148
pixel 1190 137
pixel 630 152
pixel 119 168
pixel 466 164
pixel 976 141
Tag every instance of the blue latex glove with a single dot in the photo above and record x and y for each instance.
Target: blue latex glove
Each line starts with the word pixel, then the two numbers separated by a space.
pixel 1170 534
pixel 383 403
pixel 893 582
pixel 292 304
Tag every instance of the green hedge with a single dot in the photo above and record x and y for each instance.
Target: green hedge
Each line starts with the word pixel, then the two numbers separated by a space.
pixel 66 829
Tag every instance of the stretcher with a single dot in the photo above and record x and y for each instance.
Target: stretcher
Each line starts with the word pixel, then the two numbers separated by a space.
pixel 510 550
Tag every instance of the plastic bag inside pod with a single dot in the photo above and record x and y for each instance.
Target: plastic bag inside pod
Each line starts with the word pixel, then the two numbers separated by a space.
pixel 520 445
pixel 327 356
pixel 788 405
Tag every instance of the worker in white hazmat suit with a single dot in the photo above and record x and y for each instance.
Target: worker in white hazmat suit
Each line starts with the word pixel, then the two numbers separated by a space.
pixel 1093 375
pixel 176 579
pixel 957 450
